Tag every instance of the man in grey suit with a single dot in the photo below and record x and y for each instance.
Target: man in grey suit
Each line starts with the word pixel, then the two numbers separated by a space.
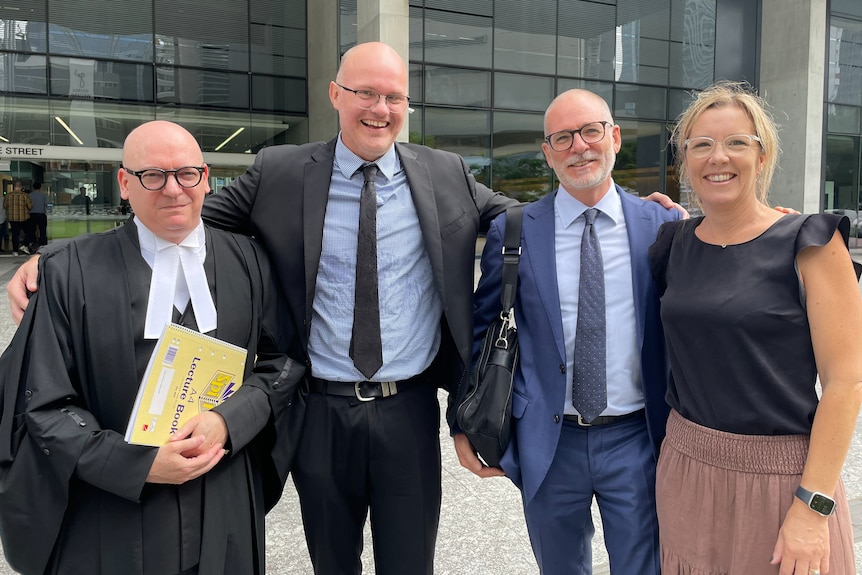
pixel 303 204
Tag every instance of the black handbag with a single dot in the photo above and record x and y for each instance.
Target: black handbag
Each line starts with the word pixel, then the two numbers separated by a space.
pixel 485 414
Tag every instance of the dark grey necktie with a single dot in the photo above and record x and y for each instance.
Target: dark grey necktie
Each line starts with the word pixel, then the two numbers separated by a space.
pixel 589 384
pixel 366 349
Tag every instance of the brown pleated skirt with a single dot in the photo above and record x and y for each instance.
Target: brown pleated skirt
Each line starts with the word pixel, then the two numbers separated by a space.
pixel 722 497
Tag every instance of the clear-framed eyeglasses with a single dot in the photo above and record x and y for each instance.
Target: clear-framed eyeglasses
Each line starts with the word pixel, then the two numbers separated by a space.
pixel 154 179
pixel 590 133
pixel 734 145
pixel 368 99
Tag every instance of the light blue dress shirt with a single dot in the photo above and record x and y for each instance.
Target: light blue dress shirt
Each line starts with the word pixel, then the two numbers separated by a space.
pixel 625 391
pixel 410 307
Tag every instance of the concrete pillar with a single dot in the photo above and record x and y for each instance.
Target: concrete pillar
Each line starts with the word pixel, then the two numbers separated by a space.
pixel 792 67
pixel 323 56
pixel 386 21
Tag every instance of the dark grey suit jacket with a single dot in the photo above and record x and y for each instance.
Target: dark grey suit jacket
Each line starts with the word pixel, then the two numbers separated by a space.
pixel 281 200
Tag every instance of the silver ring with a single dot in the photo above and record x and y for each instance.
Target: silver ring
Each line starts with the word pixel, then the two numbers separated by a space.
pixel 815 571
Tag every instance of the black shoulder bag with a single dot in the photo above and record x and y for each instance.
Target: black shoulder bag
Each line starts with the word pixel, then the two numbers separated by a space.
pixel 485 414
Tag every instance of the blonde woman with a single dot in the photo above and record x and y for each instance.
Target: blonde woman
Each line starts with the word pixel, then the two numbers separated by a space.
pixel 757 305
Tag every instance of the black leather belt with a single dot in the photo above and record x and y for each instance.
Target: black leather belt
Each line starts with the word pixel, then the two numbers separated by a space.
pixel 364 390
pixel 603 419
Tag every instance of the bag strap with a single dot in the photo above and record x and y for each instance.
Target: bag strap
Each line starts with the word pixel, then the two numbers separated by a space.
pixel 511 256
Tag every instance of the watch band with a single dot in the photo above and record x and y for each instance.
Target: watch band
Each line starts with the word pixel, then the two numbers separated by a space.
pixel 816 501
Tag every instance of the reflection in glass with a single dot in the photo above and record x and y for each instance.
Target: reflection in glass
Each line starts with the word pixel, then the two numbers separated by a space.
pixel 213 41
pixel 457 39
pixel 87 78
pixel 457 86
pixel 519 168
pixel 844 119
pixel 520 92
pixel 201 88
pixel 634 101
pixel 641 157
pixel 692 48
pixel 586 45
pixel 23 74
pixel 465 132
pixel 525 36
pixel 844 80
pixel 121 31
pixel 23 30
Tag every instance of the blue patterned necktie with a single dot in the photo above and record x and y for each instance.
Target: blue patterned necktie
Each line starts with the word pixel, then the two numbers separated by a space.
pixel 589 384
pixel 366 348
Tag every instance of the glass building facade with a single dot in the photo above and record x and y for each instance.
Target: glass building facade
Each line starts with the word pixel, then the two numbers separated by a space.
pixel 482 73
pixel 76 77
pixel 843 165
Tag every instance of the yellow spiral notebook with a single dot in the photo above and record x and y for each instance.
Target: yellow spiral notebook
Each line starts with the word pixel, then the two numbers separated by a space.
pixel 188 373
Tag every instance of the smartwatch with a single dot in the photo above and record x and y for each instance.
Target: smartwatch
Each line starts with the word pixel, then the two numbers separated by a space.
pixel 816 501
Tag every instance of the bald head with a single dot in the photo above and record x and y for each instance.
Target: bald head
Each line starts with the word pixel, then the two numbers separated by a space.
pixel 173 210
pixel 571 100
pixel 368 126
pixel 146 138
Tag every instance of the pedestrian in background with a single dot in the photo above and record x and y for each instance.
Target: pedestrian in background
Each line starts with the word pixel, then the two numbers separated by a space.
pixel 18 205
pixel 38 217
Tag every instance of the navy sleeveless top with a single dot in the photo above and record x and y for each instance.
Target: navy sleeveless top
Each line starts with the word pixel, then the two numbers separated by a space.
pixel 736 327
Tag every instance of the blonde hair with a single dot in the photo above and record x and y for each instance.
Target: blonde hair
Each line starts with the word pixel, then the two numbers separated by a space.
pixel 742 95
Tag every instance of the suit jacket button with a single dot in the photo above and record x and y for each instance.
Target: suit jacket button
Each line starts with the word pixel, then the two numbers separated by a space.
pixel 556 418
pixel 562 368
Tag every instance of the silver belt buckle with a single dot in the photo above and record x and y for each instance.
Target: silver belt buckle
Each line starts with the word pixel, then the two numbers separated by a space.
pixel 387 388
pixel 582 422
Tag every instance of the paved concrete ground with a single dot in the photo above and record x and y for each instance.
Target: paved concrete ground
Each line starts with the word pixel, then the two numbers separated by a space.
pixel 481 525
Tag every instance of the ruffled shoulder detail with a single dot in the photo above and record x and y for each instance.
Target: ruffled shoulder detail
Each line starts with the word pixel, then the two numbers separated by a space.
pixel 818 229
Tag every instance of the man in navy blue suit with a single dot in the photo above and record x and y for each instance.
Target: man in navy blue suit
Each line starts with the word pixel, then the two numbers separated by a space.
pixel 559 457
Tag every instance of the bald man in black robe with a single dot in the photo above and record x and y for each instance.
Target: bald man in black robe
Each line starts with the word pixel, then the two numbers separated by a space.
pixel 74 496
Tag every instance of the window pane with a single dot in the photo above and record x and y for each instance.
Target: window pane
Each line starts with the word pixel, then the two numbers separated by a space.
pixel 186 35
pixel 279 94
pixel 123 29
pixel 465 132
pixel 525 36
pixel 842 173
pixel 678 101
pixel 201 88
pixel 603 89
pixel 85 78
pixel 844 119
pixel 416 92
pixel 25 120
pixel 415 121
pixel 849 7
pixel 23 73
pixel 347 24
pixel 214 128
pixel 642 59
pixel 522 92
pixel 640 102
pixel 95 124
pixel 277 50
pixel 651 16
pixel 519 168
pixel 480 7
pixel 844 81
pixel 416 46
pixel 692 49
pixel 457 39
pixel 22 26
pixel 457 87
pixel 587 40
pixel 640 157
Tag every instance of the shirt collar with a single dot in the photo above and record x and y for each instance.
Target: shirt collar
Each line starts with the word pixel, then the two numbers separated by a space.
pixel 152 243
pixel 569 209
pixel 348 163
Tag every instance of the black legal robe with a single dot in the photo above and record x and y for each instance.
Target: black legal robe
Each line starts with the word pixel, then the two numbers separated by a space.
pixel 73 497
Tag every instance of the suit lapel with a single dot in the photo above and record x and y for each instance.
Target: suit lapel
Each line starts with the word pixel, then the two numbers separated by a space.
pixel 637 228
pixel 539 238
pixel 422 192
pixel 315 195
